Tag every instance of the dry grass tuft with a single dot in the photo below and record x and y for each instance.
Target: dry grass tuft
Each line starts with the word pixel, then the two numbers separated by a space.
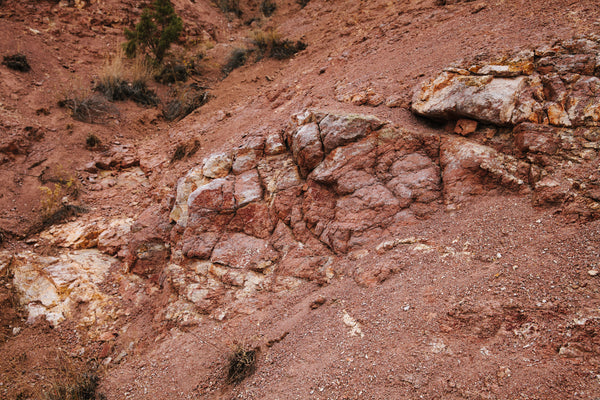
pixel 242 364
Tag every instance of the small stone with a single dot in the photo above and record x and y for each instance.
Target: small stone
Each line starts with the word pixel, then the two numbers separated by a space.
pixel 106 336
pixel 465 127
pixel 593 272
pixel 318 302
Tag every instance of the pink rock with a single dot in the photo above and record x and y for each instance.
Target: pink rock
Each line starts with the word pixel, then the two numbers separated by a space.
pixel 483 98
pixel 469 168
pixel 246 157
pixel 355 156
pixel 306 147
pixel 238 250
pixel 465 127
pixel 247 188
pixel 536 138
pixel 278 173
pixel 254 219
pixel 200 245
pixel 339 130
pixel 550 191
pixel 216 195
pixel 274 145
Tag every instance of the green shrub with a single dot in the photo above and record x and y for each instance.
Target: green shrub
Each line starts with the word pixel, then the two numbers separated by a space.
pixel 114 85
pixel 157 29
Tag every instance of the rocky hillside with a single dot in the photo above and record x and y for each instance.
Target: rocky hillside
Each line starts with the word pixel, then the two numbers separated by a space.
pixel 406 207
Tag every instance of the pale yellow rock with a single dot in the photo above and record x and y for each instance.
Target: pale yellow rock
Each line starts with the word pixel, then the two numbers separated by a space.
pixel 51 286
pixel 217 165
pixel 185 186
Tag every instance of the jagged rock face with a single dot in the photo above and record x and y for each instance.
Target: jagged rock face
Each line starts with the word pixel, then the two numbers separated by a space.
pixel 53 286
pixel 294 203
pixel 549 99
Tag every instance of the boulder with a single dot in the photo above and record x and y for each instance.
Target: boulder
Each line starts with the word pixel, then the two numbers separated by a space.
pixel 483 98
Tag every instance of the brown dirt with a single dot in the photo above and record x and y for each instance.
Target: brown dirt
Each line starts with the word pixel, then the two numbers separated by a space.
pixel 516 319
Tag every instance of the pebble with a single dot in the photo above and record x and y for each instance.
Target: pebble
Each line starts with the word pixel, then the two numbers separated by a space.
pixel 593 272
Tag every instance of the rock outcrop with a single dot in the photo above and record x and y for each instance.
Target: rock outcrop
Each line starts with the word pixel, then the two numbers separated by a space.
pixel 285 208
pixel 290 206
pixel 547 101
pixel 52 286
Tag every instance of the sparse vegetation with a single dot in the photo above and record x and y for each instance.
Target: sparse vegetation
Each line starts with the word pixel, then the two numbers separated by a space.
pixel 114 84
pixel 172 72
pixel 91 109
pixel 184 102
pixel 236 59
pixel 54 203
pixel 84 387
pixel 229 6
pixel 92 141
pixel 158 28
pixel 185 150
pixel 269 43
pixel 17 62
pixel 268 7
pixel 242 364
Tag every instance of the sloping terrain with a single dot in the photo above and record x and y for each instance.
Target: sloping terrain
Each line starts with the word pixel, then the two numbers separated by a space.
pixel 305 214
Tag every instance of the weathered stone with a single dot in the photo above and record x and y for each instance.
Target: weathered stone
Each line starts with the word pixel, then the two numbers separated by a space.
pixel 247 188
pixel 416 178
pixel 217 165
pixel 353 180
pixel 245 252
pixel 52 286
pixel 200 245
pixel 468 166
pixel 536 138
pixel 354 156
pixel 274 145
pixel 339 130
pixel 185 186
pixel 254 219
pixel 583 64
pixel 306 146
pixel 504 71
pixel 114 237
pixel 278 173
pixel 246 157
pixel 550 191
pixel 318 208
pixel 217 195
pixel 465 127
pixel 483 98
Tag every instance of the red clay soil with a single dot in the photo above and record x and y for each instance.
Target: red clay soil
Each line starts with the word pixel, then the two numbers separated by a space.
pixel 497 303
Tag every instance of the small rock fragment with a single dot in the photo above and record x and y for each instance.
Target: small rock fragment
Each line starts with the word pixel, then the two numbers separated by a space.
pixel 318 302
pixel 465 127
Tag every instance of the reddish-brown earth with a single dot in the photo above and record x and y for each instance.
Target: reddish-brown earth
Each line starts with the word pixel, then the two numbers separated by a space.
pixel 486 296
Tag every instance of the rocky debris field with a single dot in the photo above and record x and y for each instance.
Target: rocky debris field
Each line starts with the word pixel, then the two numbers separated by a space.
pixel 328 224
